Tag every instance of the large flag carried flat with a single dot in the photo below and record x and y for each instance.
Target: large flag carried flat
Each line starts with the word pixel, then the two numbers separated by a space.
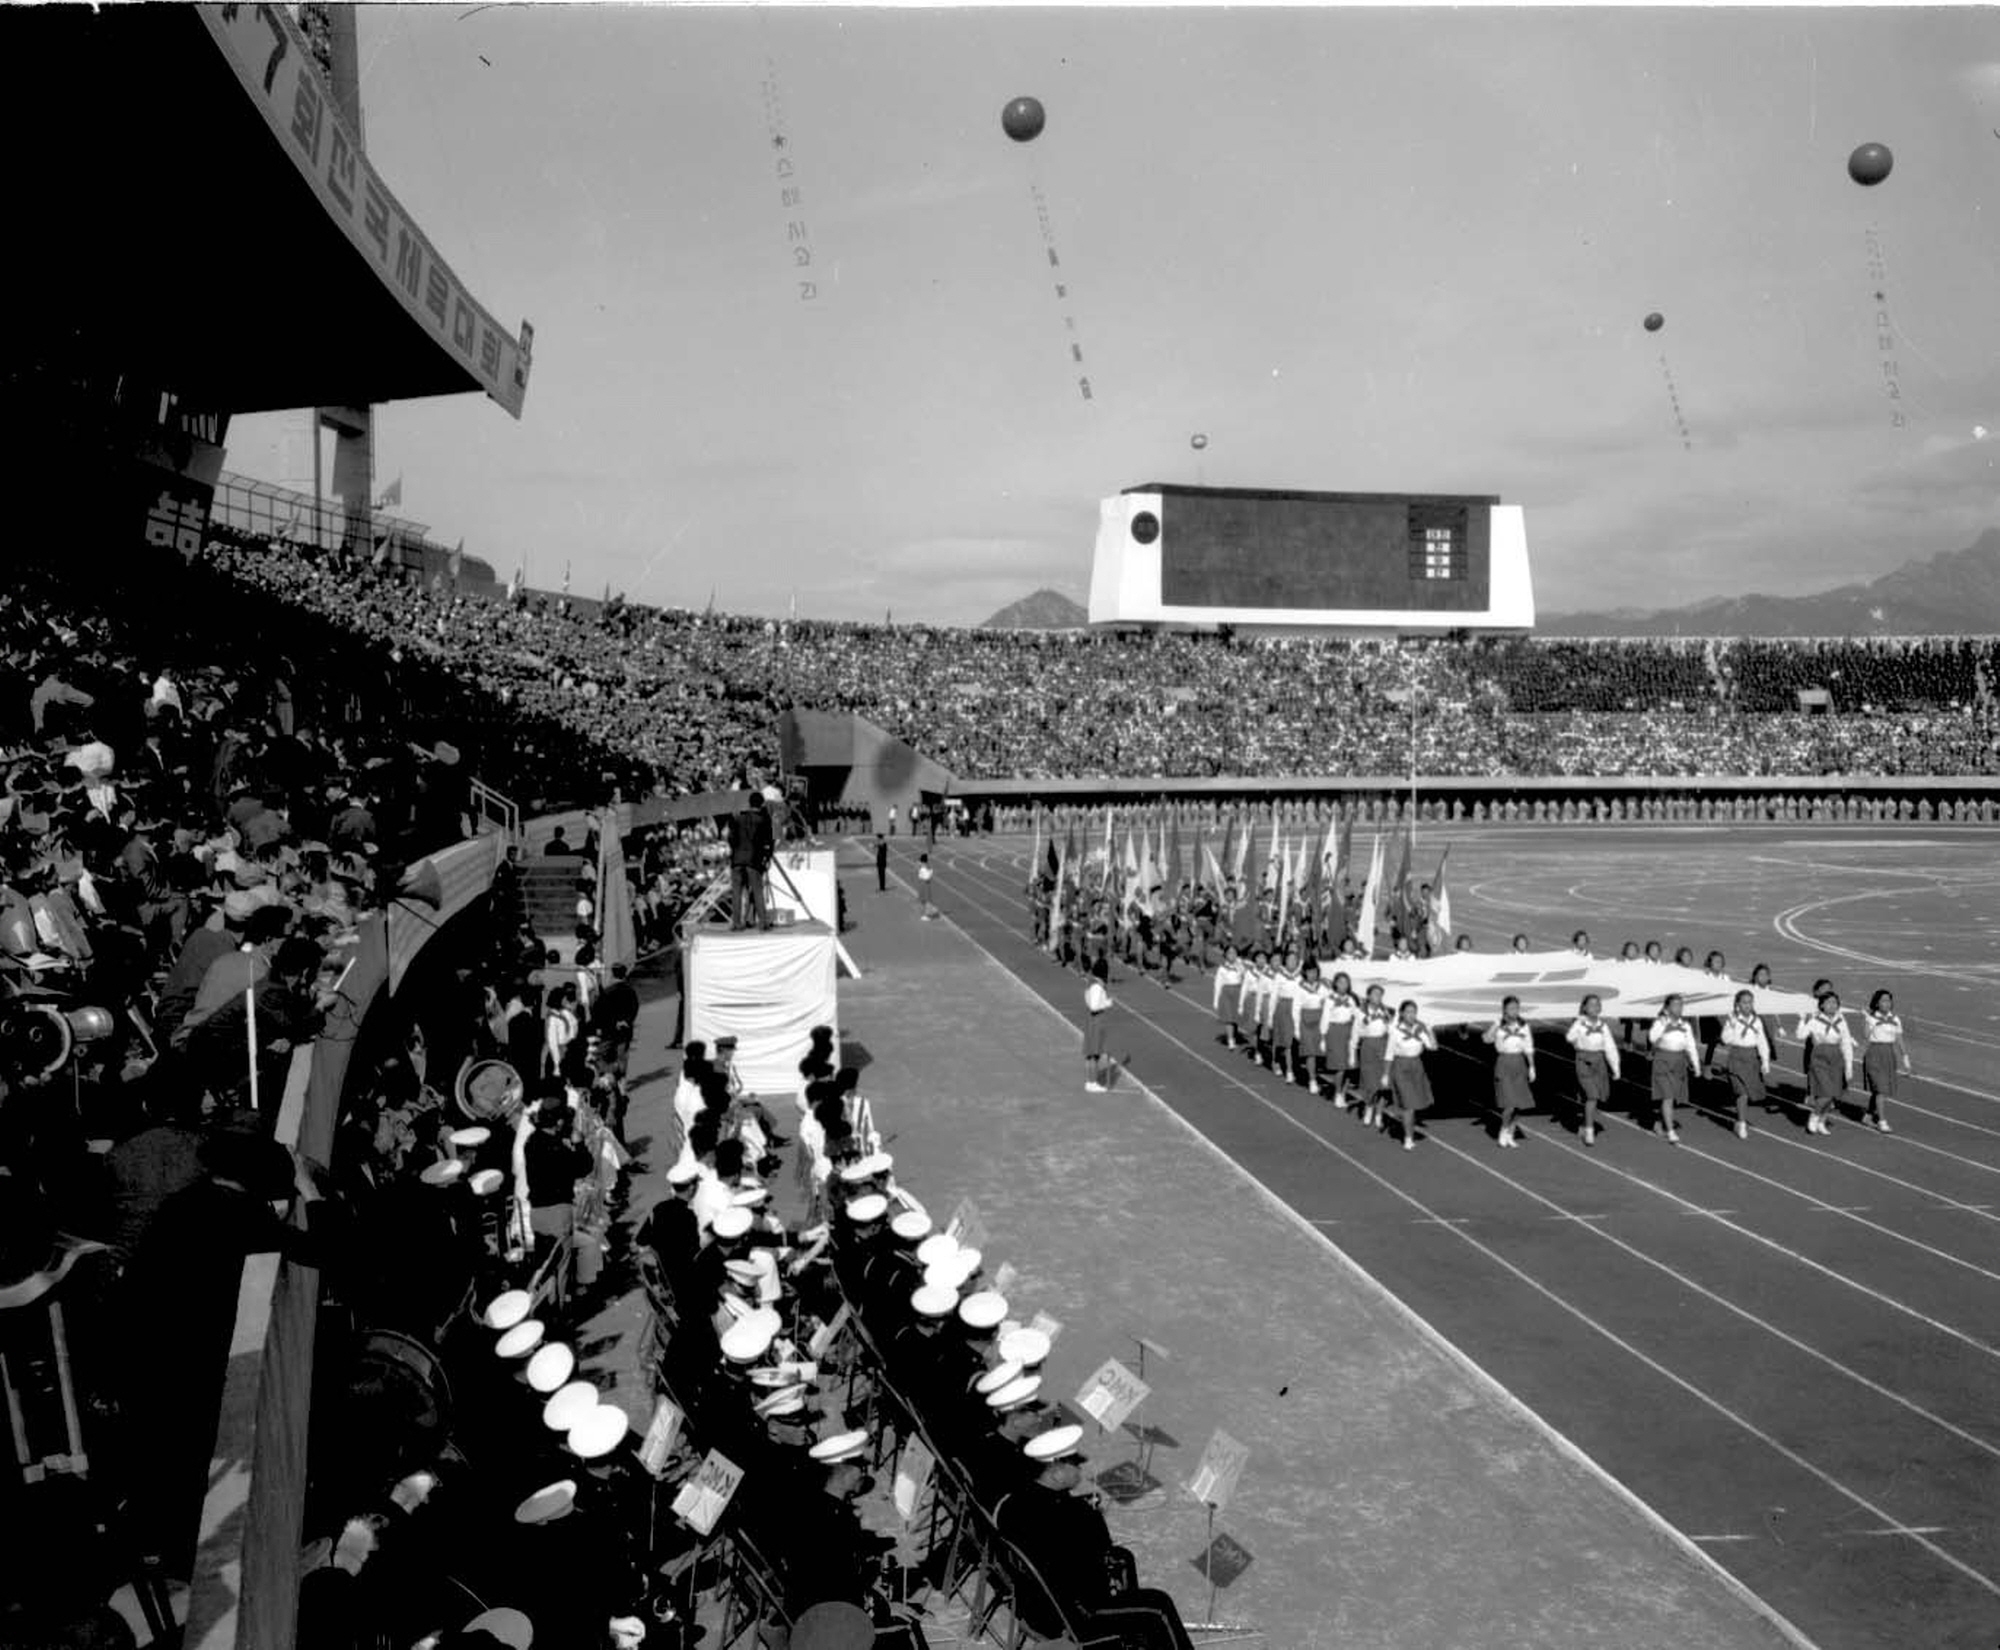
pixel 1465 987
pixel 1371 895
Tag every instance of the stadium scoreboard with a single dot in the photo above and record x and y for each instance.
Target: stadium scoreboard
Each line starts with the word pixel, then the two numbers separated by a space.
pixel 1193 556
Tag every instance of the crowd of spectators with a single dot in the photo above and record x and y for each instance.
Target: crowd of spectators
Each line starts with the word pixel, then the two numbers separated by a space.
pixel 683 702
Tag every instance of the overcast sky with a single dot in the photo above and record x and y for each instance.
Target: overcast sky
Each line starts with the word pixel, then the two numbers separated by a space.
pixel 1358 249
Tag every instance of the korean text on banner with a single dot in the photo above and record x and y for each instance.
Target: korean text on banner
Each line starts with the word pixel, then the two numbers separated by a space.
pixel 272 61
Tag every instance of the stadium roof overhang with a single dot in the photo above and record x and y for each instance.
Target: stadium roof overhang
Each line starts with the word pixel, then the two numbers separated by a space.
pixel 178 179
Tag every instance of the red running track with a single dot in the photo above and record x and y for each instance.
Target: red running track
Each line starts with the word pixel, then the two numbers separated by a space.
pixel 1787 1346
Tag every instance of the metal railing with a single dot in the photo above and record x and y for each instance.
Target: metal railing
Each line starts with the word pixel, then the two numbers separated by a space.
pixel 490 807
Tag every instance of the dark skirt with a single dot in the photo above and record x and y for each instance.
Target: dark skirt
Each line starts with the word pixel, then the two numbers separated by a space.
pixel 1510 1083
pixel 1593 1075
pixel 1826 1072
pixel 1746 1076
pixel 1878 1070
pixel 1670 1076
pixel 1373 1055
pixel 1412 1085
pixel 1333 1044
pixel 1093 1037
pixel 1284 1021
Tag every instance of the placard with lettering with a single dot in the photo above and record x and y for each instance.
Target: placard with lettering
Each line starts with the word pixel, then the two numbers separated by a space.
pixel 1112 1394
pixel 661 1432
pixel 1005 1279
pixel 705 1497
pixel 1215 1476
pixel 1051 1327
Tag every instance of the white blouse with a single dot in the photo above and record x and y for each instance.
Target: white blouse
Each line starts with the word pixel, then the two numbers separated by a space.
pixel 1817 1028
pixel 1407 1043
pixel 1741 1032
pixel 1594 1037
pixel 1673 1036
pixel 1884 1028
pixel 1508 1039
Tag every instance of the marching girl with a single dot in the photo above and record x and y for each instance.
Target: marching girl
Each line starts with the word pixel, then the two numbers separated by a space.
pixel 1631 1033
pixel 1283 1014
pixel 1409 1040
pixel 1819 989
pixel 1368 1054
pixel 1308 1017
pixel 1596 1061
pixel 1746 1056
pixel 1674 1044
pixel 1885 1056
pixel 1336 1036
pixel 1256 1002
pixel 1829 1061
pixel 1399 947
pixel 1760 977
pixel 1228 995
pixel 1513 1067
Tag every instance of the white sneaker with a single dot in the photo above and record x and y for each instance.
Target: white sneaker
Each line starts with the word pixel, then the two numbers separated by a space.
pixel 1742 1131
pixel 1409 1143
pixel 1095 1088
pixel 1673 1137
pixel 1882 1124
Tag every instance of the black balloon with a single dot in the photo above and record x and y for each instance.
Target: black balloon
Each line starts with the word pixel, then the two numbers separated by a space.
pixel 1023 119
pixel 1870 164
pixel 1655 321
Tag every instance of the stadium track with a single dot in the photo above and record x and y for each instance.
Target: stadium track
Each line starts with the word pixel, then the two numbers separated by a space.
pixel 1789 1348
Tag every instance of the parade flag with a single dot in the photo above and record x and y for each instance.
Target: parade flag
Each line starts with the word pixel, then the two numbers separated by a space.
pixel 1284 889
pixel 457 560
pixel 391 494
pixel 1271 861
pixel 1343 859
pixel 1056 905
pixel 1315 894
pixel 1175 875
pixel 1211 868
pixel 1228 854
pixel 711 594
pixel 1399 890
pixel 1242 859
pixel 1035 853
pixel 1441 895
pixel 1371 895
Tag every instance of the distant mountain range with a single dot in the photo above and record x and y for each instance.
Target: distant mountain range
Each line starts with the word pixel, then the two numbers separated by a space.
pixel 1955 593
pixel 1044 610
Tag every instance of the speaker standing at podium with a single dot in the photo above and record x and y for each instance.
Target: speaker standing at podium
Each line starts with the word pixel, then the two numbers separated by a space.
pixel 750 846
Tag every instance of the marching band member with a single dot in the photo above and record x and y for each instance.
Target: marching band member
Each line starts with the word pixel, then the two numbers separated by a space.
pixel 1408 1039
pixel 1336 1037
pixel 1227 999
pixel 1513 1067
pixel 1367 1053
pixel 1596 1061
pixel 1309 998
pixel 1829 1061
pixel 1674 1044
pixel 1886 1054
pixel 1747 1056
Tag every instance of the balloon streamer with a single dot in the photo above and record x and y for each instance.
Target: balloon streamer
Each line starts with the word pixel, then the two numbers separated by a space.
pixel 1674 401
pixel 1043 220
pixel 791 197
pixel 1885 330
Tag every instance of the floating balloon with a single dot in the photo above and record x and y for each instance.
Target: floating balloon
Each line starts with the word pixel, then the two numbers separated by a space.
pixel 1197 442
pixel 1023 119
pixel 1870 164
pixel 1655 321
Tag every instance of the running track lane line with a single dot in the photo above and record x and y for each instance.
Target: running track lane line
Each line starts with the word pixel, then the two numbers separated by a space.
pixel 1456 1355
pixel 1984 1583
